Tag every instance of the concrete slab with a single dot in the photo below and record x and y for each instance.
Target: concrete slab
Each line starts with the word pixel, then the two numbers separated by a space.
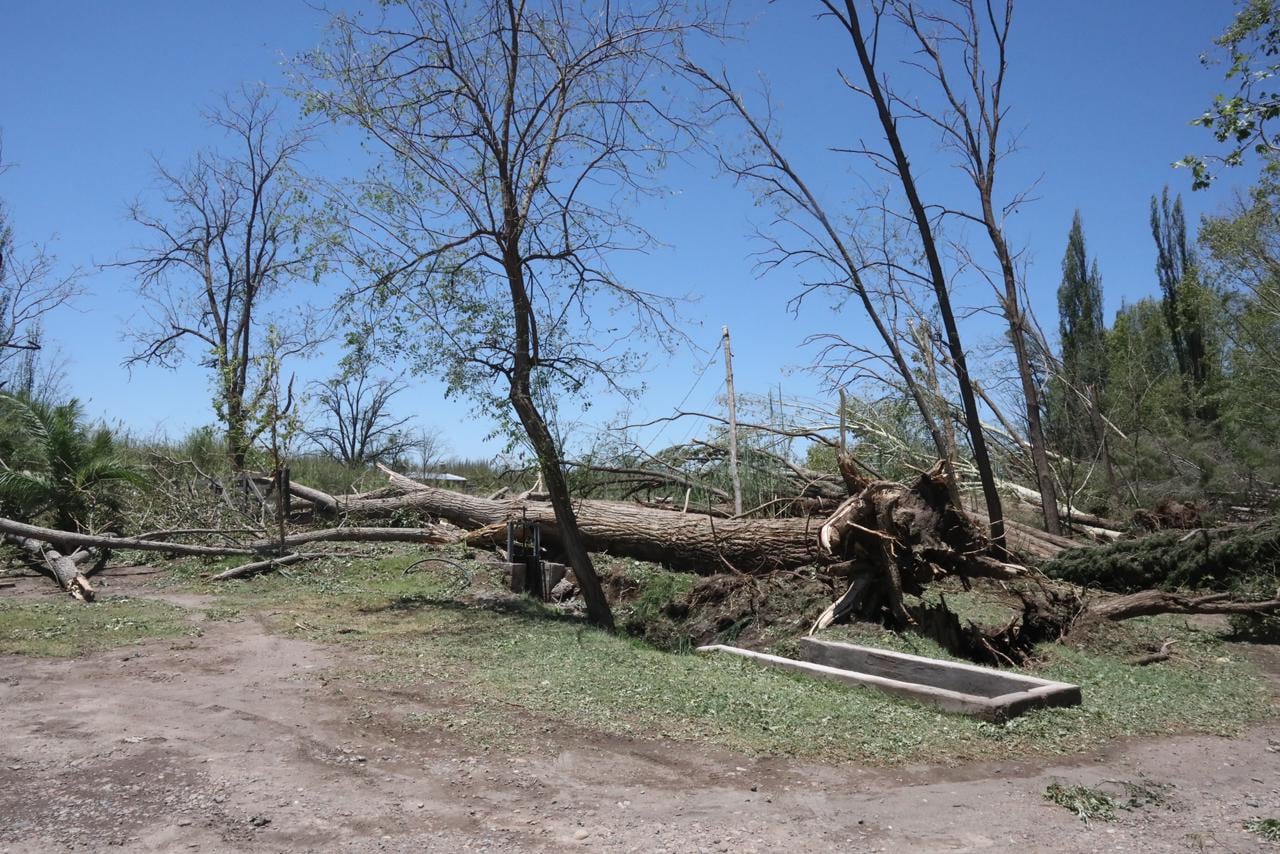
pixel 966 689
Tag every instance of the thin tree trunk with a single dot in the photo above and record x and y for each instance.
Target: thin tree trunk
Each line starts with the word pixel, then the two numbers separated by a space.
pixel 1026 376
pixel 733 426
pixel 553 479
pixel 852 268
pixel 977 440
pixel 544 444
pixel 1104 445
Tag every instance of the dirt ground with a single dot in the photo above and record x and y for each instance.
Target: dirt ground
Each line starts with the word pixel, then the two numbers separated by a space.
pixel 240 740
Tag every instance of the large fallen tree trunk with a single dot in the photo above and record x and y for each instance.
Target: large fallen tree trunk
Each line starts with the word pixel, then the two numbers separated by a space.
pixel 686 541
pixel 694 542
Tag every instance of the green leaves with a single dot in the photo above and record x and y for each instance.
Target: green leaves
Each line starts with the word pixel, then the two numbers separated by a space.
pixel 56 469
pixel 1251 42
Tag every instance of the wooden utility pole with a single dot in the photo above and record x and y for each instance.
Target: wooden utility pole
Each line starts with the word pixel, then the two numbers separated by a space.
pixel 844 423
pixel 733 426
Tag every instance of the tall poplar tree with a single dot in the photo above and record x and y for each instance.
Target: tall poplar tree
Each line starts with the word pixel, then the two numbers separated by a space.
pixel 1185 299
pixel 1083 336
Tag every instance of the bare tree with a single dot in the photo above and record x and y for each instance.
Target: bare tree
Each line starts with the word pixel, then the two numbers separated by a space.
pixel 805 233
pixel 30 288
pixel 228 239
pixel 358 427
pixel 875 87
pixel 427 445
pixel 519 135
pixel 971 124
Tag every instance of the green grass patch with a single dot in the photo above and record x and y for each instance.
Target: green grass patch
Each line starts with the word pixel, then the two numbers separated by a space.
pixel 478 661
pixel 223 613
pixel 65 627
pixel 1088 803
pixel 1267 828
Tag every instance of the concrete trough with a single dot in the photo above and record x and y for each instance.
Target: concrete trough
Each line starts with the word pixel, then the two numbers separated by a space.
pixel 965 689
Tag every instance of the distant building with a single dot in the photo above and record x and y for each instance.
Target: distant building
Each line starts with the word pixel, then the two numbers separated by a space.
pixel 440 478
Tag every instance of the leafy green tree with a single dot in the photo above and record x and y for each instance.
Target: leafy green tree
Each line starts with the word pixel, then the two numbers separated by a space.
pixel 1243 248
pixel 1082 331
pixel 516 139
pixel 55 469
pixel 1241 119
pixel 1158 449
pixel 1188 304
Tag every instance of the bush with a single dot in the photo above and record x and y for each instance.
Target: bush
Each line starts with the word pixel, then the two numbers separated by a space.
pixel 58 471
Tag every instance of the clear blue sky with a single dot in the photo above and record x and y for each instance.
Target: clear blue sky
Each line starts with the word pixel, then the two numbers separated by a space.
pixel 90 90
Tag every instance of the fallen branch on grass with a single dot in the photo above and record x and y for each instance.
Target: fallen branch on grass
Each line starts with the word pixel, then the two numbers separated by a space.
pixel 425 536
pixel 261 566
pixel 44 546
pixel 1151 602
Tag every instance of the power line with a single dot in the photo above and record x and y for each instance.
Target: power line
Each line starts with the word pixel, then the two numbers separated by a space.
pixel 715 353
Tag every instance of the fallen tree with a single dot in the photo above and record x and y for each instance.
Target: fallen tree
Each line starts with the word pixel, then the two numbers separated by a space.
pixel 1202 559
pixel 1150 602
pixel 915 514
pixel 43 546
pixel 64 570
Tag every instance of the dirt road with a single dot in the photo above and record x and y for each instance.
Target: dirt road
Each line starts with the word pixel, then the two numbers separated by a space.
pixel 240 740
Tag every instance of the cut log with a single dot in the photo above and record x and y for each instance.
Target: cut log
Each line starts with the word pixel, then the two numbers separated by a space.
pixel 64 569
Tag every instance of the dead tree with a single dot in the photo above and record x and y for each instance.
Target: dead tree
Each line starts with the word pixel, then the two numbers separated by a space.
pixel 30 288
pixel 806 233
pixel 972 125
pixel 357 425
pixel 875 88
pixel 226 242
pixel 518 135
